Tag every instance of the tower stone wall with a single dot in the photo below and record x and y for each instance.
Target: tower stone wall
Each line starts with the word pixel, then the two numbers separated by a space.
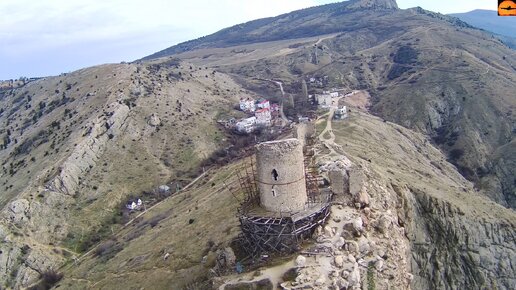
pixel 281 175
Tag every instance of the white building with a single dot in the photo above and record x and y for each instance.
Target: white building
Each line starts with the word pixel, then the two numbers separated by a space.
pixel 324 101
pixel 134 204
pixel 263 104
pixel 247 105
pixel 246 125
pixel 341 113
pixel 263 117
pixel 334 94
pixel 303 119
pixel 350 94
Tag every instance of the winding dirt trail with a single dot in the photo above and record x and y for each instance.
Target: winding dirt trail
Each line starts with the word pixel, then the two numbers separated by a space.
pixel 280 85
pixel 282 114
pixel 330 142
pixel 157 204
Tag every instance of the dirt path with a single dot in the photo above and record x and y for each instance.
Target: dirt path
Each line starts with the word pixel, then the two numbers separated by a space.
pixel 301 133
pixel 144 212
pixel 274 274
pixel 282 114
pixel 155 205
pixel 330 142
pixel 324 38
pixel 280 85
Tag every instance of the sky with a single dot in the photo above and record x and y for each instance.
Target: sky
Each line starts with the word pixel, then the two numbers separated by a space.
pixel 49 37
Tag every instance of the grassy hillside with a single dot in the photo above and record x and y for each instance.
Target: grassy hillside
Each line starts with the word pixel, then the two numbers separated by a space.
pixel 197 222
pixel 331 18
pixel 425 70
pixel 77 146
pixel 454 230
pixel 187 226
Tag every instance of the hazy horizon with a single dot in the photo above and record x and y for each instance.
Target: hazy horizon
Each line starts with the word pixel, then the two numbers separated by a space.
pixel 42 39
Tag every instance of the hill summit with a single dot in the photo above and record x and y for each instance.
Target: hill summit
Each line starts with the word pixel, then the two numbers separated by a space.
pixel 382 4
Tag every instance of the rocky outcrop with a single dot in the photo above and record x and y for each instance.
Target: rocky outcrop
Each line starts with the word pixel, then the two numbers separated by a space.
pixel 225 261
pixel 87 152
pixel 441 110
pixel 44 218
pixel 18 211
pixel 499 182
pixel 347 182
pixel 351 255
pixel 24 258
pixel 154 120
pixel 455 250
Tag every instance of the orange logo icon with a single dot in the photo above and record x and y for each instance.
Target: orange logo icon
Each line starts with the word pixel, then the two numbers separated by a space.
pixel 506 8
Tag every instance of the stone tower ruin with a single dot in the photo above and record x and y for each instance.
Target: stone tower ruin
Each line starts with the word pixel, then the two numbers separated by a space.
pixel 280 175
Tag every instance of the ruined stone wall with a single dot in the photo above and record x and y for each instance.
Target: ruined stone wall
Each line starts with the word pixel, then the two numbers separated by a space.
pixel 281 175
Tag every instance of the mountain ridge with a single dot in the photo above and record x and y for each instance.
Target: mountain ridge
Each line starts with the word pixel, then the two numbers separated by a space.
pixel 78 146
pixel 335 8
pixel 501 27
pixel 404 49
pixel 489 20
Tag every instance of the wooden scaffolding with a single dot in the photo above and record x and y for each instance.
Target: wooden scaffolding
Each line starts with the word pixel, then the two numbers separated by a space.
pixel 279 234
pixel 265 232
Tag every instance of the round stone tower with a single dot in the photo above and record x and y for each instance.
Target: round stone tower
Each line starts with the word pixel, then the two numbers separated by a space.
pixel 281 175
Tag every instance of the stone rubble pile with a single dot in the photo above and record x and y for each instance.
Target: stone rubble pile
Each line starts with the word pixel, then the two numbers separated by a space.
pixel 348 254
pixel 362 242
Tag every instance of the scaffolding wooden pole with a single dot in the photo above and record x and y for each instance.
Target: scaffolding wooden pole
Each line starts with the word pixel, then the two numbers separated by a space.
pixel 269 233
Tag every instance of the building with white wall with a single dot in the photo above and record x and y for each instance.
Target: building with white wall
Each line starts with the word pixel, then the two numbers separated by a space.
pixel 263 117
pixel 246 125
pixel 247 105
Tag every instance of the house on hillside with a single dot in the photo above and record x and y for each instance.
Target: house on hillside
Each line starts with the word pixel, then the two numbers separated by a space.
pixel 324 100
pixel 303 119
pixel 134 204
pixel 262 104
pixel 341 113
pixel 246 125
pixel 247 105
pixel 263 117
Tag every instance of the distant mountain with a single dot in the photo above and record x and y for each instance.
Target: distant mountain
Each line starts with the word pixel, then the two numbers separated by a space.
pixel 296 24
pixel 489 20
pixel 504 27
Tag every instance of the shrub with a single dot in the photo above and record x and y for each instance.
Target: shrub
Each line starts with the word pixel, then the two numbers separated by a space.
pixel 456 153
pixel 154 221
pixel 48 280
pixel 107 250
pixel 104 248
